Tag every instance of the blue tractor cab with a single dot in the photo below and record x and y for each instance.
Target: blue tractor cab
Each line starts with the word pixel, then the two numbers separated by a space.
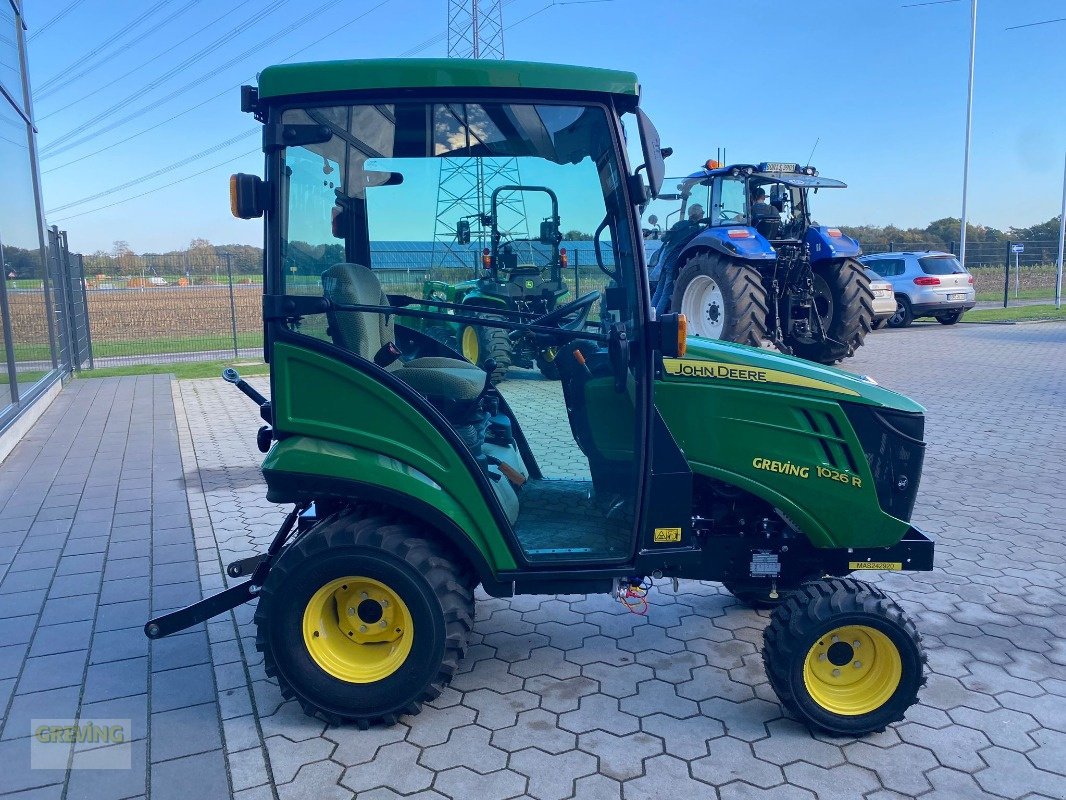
pixel 743 259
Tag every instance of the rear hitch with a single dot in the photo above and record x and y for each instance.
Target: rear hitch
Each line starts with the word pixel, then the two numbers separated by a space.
pixel 234 596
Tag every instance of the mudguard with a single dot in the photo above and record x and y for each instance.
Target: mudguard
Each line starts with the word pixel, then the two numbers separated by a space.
pixel 827 243
pixel 355 428
pixel 753 247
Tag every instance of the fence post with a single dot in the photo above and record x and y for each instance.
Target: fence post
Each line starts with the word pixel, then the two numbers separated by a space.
pixel 232 303
pixel 1006 274
pixel 85 303
pixel 577 274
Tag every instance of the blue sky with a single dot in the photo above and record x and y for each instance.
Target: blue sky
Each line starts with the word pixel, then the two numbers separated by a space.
pixel 882 86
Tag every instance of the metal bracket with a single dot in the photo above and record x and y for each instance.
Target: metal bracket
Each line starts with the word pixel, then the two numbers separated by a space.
pixel 284 307
pixel 277 137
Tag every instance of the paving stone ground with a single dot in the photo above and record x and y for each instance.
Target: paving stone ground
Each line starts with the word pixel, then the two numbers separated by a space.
pixel 559 697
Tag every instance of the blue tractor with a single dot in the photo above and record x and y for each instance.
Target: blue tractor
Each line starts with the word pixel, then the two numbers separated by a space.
pixel 745 262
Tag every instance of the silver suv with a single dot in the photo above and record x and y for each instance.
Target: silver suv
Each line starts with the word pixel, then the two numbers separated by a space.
pixel 927 284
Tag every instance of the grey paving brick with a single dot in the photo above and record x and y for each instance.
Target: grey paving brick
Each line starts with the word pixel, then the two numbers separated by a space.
pixel 18 777
pixel 124 614
pixel 83 585
pixel 122 590
pixel 17 630
pixel 114 679
pixel 185 731
pixel 202 775
pixel 50 704
pixel 121 568
pixel 186 686
pixel 26 580
pixel 118 645
pixel 61 637
pixel 183 650
pixel 52 672
pixel 89 782
pixel 59 610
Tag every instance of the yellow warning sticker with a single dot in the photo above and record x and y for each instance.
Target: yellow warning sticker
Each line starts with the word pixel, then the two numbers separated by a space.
pixel 667 535
pixel 716 370
pixel 895 566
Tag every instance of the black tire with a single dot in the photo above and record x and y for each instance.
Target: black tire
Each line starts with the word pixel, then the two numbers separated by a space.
pixel 949 318
pixel 844 302
pixel 548 369
pixel 805 622
pixel 374 544
pixel 742 313
pixel 494 343
pixel 878 324
pixel 904 316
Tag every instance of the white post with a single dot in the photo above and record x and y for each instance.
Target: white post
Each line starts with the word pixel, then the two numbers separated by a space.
pixel 969 121
pixel 1062 236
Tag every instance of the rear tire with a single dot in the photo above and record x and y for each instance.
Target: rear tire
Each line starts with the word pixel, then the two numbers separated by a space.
pixel 903 316
pixel 843 657
pixel 548 368
pixel 722 299
pixel 950 318
pixel 478 344
pixel 845 307
pixel 420 598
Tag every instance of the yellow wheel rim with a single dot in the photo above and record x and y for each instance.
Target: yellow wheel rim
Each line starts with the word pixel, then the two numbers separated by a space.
pixel 358 629
pixel 471 346
pixel 852 670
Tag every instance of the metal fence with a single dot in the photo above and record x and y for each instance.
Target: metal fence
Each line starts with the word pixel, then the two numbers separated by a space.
pixel 205 305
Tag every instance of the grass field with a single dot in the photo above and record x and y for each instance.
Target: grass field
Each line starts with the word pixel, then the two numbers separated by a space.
pixel 1015 314
pixel 181 370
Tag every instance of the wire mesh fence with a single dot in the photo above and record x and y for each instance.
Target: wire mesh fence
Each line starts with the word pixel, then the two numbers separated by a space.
pixel 206 305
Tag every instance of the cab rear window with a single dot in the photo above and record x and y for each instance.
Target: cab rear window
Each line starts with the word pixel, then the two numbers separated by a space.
pixel 940 265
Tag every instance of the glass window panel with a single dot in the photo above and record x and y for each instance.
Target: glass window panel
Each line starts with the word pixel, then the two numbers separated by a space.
pixel 10 72
pixel 20 244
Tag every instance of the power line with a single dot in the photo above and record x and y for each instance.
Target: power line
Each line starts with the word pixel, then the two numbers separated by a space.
pixel 141 66
pixel 930 3
pixel 62 74
pixel 69 79
pixel 159 188
pixel 225 91
pixel 161 171
pixel 53 146
pixel 70 7
pixel 1034 24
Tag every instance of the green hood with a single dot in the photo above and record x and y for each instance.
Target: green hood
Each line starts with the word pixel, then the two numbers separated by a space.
pixel 713 359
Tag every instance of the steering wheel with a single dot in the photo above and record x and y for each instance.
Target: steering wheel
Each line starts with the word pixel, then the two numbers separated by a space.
pixel 562 312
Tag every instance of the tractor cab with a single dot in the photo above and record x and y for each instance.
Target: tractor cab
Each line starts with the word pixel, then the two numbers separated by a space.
pixel 413 479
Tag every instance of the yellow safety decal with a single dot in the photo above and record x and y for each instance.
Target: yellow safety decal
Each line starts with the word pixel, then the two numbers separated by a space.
pixel 667 535
pixel 894 566
pixel 716 370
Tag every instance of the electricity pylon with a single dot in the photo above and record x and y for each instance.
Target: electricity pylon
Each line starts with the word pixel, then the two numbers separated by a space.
pixel 475 30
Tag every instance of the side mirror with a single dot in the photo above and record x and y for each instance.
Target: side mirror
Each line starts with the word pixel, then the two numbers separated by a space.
pixel 247 196
pixel 673 330
pixel 549 232
pixel 654 153
pixel 462 231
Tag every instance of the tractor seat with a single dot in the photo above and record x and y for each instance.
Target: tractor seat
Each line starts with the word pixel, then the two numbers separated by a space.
pixel 447 382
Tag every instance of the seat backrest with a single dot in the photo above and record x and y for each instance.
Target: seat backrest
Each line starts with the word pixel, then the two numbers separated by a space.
pixel 362 332
pixel 769 226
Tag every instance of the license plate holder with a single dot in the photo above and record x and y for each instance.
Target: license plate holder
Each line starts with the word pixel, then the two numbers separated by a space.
pixel 957 296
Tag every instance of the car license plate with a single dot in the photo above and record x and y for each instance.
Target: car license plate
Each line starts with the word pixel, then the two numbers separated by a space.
pixel 960 296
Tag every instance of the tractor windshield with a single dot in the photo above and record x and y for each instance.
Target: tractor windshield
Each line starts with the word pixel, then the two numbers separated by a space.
pixel 432 186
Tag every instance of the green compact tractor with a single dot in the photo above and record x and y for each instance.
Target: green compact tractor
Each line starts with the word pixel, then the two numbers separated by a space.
pixel 414 480
pixel 510 281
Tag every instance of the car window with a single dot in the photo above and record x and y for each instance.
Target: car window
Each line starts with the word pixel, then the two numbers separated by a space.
pixel 872 275
pixel 888 267
pixel 940 265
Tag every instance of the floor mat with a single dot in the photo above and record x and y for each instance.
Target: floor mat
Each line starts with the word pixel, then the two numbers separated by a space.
pixel 557 521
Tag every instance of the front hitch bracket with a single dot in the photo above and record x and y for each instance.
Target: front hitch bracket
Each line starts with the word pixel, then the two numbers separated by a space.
pixel 258 566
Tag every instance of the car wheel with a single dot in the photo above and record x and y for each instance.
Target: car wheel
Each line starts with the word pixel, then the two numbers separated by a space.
pixel 903 316
pixel 950 318
pixel 877 324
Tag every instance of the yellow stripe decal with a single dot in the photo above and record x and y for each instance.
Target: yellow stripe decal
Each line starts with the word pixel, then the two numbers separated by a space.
pixel 717 370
